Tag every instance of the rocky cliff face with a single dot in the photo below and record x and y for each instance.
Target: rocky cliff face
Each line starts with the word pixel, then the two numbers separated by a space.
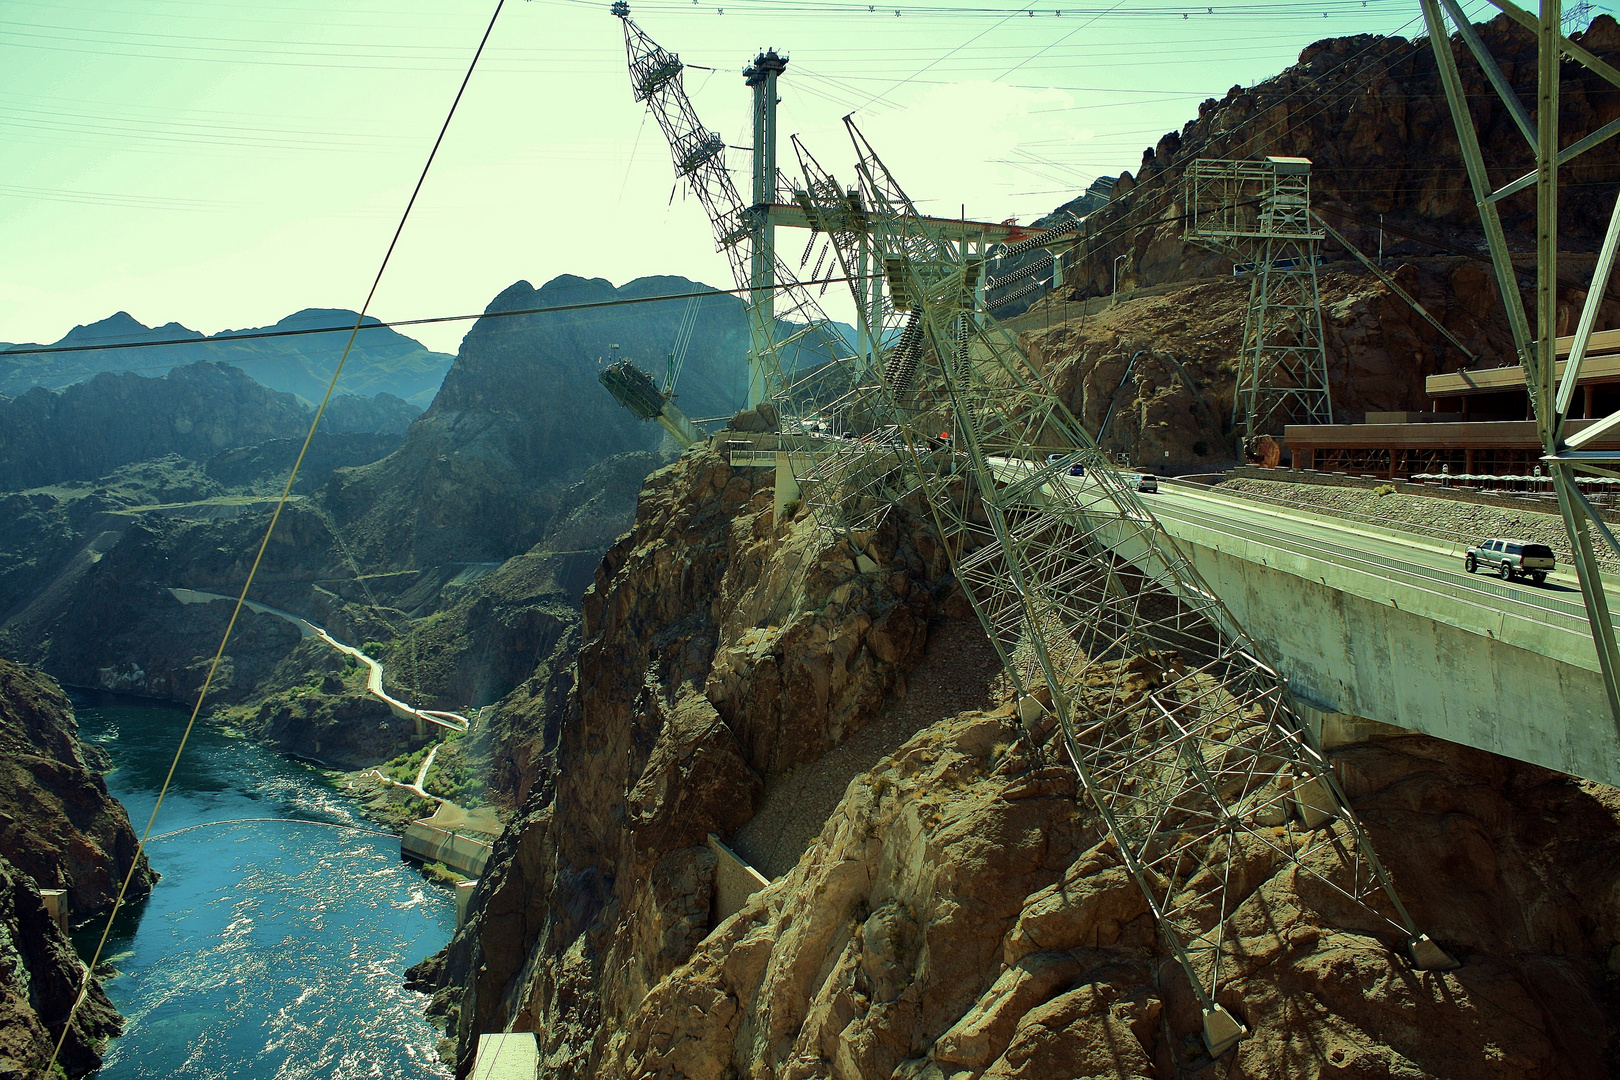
pixel 720 652
pixel 521 417
pixel 91 429
pixel 40 976
pixel 59 829
pixel 959 913
pixel 58 825
pixel 1371 115
pixel 1172 409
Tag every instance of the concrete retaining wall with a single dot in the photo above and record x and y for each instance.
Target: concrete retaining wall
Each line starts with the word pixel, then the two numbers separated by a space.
pixel 734 881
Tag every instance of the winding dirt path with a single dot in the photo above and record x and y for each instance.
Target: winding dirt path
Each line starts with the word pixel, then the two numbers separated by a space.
pixel 374 676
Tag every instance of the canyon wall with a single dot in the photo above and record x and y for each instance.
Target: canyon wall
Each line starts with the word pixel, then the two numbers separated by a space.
pixel 59 829
pixel 1370 113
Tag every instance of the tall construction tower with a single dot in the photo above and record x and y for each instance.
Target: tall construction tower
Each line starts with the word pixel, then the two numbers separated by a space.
pixel 762 75
pixel 744 233
pixel 1258 213
pixel 1568 456
pixel 1185 741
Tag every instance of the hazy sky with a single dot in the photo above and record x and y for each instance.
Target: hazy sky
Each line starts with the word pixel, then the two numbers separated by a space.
pixel 224 164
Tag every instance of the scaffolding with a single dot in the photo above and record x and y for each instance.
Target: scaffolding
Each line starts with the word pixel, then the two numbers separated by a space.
pixel 1183 737
pixel 1258 213
pixel 790 338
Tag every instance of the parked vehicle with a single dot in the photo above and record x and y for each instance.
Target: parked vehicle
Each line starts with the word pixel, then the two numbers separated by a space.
pixel 1511 558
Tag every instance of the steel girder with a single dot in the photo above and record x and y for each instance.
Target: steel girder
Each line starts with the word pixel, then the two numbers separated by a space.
pixel 1182 736
pixel 1551 396
pixel 1259 212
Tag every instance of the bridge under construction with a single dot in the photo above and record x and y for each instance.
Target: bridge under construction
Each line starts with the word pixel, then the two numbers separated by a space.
pixel 1071 571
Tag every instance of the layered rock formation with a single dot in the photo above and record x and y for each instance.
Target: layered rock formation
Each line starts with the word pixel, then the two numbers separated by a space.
pixel 1178 395
pixel 40 976
pixel 1371 115
pixel 720 650
pixel 961 914
pixel 59 829
pixel 58 825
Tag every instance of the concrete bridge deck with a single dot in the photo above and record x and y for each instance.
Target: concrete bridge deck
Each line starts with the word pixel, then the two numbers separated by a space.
pixel 1372 623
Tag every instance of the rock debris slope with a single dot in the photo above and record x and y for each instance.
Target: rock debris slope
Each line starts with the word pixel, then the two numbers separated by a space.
pixel 960 914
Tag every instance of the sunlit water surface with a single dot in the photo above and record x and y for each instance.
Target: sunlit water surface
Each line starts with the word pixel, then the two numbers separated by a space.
pixel 269 949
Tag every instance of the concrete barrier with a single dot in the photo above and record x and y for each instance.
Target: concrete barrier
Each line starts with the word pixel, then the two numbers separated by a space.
pixel 734 881
pixel 458 838
pixel 464 892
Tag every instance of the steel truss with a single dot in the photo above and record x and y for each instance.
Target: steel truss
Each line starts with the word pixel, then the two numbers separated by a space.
pixel 1185 740
pixel 776 372
pixel 1550 396
pixel 1259 213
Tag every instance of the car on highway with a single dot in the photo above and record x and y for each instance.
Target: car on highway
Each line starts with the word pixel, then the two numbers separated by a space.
pixel 1147 482
pixel 1509 558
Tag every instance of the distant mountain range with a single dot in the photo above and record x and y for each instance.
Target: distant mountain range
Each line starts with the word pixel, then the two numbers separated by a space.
pixel 382 361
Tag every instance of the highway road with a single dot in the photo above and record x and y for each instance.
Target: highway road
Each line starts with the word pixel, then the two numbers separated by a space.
pixel 1377 551
pixel 1378 554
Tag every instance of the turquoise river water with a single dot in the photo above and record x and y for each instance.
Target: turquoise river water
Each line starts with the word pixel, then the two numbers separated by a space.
pixel 270 950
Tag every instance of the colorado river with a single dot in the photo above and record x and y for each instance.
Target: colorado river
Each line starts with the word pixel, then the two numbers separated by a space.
pixel 269 949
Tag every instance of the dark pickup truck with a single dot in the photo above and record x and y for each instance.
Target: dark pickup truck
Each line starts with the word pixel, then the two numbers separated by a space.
pixel 1510 559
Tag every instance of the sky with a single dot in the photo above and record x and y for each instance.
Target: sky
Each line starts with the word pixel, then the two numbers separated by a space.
pixel 223 164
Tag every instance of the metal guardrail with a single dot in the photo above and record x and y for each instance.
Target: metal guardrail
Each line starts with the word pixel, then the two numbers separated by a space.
pixel 1344 555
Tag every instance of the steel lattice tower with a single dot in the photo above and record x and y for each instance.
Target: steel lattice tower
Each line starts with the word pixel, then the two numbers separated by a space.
pixel 1259 213
pixel 1183 738
pixel 1568 456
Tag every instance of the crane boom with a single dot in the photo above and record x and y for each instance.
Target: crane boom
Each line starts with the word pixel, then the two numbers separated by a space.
pixel 699 157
